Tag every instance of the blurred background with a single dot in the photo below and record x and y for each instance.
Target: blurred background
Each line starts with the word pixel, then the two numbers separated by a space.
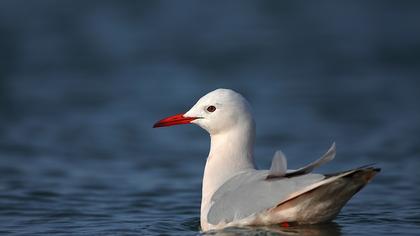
pixel 82 82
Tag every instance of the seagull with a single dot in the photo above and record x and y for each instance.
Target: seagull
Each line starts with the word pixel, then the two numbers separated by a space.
pixel 235 193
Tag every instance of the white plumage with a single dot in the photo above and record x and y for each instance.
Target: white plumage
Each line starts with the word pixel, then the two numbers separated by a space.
pixel 236 194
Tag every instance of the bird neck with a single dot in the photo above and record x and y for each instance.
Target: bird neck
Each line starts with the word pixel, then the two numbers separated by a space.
pixel 230 153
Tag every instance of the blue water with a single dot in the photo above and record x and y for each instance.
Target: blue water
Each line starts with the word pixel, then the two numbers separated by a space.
pixel 82 82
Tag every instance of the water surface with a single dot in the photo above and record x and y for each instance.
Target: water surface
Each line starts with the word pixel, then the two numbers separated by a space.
pixel 81 84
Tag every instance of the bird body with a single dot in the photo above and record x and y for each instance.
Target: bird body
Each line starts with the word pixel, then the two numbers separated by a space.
pixel 235 193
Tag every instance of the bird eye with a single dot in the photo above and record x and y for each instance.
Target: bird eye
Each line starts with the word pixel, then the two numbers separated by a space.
pixel 211 108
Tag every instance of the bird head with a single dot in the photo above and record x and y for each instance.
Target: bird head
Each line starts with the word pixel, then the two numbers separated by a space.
pixel 216 112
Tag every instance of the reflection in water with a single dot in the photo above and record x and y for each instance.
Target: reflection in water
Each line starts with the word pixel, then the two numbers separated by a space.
pixel 330 228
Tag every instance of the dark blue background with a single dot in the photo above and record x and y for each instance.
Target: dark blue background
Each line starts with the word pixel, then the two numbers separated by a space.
pixel 82 82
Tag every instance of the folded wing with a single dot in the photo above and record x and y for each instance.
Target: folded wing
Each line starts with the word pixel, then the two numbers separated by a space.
pixel 256 190
pixel 249 192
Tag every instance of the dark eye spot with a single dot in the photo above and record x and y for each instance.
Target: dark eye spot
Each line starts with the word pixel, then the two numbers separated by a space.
pixel 211 108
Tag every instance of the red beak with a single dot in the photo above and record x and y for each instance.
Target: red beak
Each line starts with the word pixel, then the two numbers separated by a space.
pixel 174 120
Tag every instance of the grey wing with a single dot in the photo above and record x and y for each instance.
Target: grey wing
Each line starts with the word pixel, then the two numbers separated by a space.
pixel 328 156
pixel 278 165
pixel 250 192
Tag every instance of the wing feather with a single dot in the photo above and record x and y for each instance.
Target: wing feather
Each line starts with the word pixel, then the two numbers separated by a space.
pixel 327 157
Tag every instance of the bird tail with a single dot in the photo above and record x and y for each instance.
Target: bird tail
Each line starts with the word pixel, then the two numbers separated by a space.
pixel 322 201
